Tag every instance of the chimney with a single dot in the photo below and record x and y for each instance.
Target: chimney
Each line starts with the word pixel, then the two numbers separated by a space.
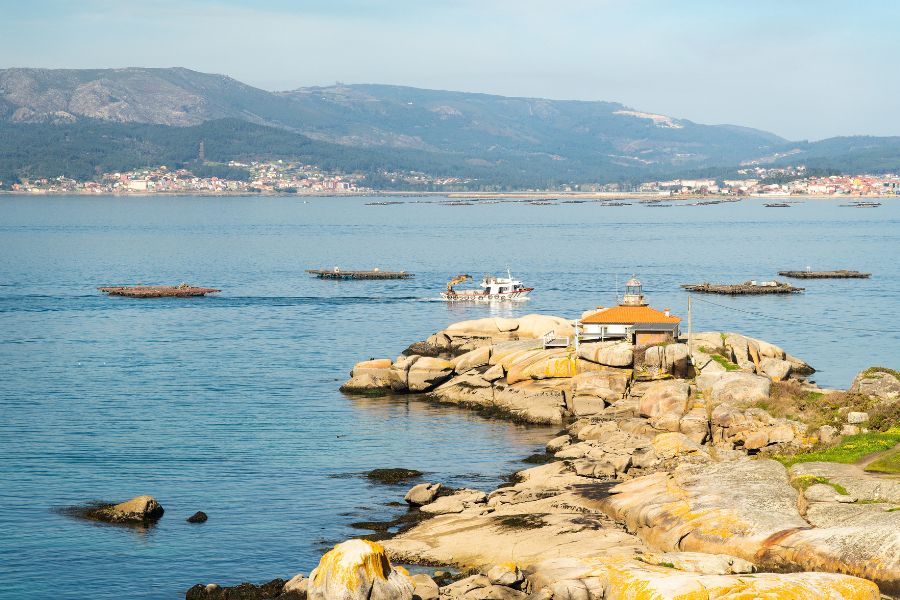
pixel 666 310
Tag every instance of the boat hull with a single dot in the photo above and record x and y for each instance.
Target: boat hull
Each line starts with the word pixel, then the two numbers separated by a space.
pixel 479 296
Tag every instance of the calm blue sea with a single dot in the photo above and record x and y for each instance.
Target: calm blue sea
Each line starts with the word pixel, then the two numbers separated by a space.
pixel 229 404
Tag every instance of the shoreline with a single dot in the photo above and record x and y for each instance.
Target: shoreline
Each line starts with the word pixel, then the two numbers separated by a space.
pixel 474 196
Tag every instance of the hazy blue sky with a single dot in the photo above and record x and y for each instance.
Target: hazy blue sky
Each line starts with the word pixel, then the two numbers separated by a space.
pixel 802 69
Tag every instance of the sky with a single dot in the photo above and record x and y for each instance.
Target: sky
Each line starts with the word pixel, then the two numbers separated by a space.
pixel 803 69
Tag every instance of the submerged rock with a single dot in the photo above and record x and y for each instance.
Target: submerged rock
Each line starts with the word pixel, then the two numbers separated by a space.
pixel 272 590
pixel 358 570
pixel 392 476
pixel 198 517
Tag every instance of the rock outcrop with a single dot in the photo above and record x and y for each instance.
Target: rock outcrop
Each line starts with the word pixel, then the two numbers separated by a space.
pixel 879 383
pixel 750 510
pixel 668 444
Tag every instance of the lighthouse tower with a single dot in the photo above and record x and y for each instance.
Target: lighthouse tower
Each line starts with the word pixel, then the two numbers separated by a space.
pixel 634 293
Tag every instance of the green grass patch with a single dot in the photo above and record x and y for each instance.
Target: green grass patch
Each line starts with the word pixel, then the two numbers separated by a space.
pixel 851 449
pixel 889 463
pixel 729 366
pixel 804 482
pixel 873 370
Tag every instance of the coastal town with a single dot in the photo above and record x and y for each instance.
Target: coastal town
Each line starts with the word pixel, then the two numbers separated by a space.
pixel 287 177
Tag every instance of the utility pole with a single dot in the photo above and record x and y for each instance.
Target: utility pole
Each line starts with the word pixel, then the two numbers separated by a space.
pixel 690 329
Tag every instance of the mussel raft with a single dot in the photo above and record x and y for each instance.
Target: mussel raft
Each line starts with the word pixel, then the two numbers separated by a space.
pixel 748 287
pixel 840 274
pixel 158 291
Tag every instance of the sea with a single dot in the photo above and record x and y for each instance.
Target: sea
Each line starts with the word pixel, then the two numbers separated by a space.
pixel 229 404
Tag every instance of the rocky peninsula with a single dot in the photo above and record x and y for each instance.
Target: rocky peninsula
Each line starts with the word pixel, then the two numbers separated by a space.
pixel 713 469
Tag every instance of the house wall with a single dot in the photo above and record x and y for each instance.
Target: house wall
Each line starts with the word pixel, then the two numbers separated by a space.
pixel 651 339
pixel 606 330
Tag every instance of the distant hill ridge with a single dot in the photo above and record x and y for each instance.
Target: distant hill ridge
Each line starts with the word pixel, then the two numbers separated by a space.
pixel 525 139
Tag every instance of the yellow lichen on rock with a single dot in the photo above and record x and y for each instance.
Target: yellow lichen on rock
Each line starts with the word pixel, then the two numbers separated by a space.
pixel 357 570
pixel 633 580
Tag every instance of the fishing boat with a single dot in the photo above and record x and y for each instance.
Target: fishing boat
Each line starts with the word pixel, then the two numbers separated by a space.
pixel 492 289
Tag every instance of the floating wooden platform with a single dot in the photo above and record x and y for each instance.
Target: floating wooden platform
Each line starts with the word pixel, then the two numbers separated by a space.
pixel 841 274
pixel 373 274
pixel 158 291
pixel 738 289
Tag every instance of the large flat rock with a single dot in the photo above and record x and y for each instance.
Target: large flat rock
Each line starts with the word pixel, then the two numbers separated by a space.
pixel 747 508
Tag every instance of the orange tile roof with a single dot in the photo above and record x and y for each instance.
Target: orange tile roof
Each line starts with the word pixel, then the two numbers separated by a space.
pixel 630 315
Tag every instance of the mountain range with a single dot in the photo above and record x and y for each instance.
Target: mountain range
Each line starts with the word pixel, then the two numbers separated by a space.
pixel 84 121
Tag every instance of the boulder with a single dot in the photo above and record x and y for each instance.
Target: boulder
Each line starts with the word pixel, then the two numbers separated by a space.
pixel 533 401
pixel 856 418
pixel 507 574
pixel 141 509
pixel 358 570
pixel 756 440
pixel 558 443
pixel 468 389
pixel 494 373
pixel 677 359
pixel 428 372
pixel 879 384
pixel 456 502
pixel 585 406
pixel 423 493
pixel 673 444
pixel 740 347
pixel 399 373
pixel 695 425
pixel 597 383
pixel 369 375
pixel 425 587
pixel 198 517
pixel 544 364
pixel 827 434
pixel 740 388
pixel 655 360
pixel 611 354
pixel 534 326
pixel 527 327
pixel 472 359
pixel 775 368
pixel 479 587
pixel 668 396
pixel 297 586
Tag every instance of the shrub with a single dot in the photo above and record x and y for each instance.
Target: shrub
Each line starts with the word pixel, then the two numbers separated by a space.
pixel 884 416
pixel 789 399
